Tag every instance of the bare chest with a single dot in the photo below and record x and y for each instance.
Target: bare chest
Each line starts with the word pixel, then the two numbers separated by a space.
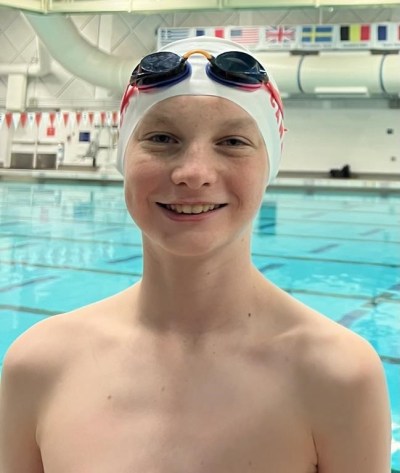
pixel 213 420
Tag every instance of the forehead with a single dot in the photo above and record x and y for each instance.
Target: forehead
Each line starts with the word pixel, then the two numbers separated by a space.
pixel 193 107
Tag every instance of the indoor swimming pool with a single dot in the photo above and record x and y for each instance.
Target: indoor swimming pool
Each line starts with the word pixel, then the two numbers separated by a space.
pixel 66 245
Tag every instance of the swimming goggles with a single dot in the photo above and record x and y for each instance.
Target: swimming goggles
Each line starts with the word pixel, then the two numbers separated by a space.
pixel 234 68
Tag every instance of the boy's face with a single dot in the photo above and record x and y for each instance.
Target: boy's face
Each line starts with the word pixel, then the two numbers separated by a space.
pixel 196 168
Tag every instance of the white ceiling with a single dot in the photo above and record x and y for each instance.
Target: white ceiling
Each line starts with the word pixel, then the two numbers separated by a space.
pixel 153 6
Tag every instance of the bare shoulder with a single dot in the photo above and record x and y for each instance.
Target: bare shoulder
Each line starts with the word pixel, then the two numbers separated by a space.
pixel 48 346
pixel 35 364
pixel 334 354
pixel 341 381
pixel 325 350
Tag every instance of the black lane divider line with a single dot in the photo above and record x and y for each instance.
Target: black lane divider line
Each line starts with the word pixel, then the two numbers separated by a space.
pixel 393 360
pixel 28 310
pixel 371 232
pixel 269 267
pixel 122 260
pixel 322 249
pixel 27 283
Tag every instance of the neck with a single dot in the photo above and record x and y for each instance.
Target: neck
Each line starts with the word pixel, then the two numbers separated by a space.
pixel 195 295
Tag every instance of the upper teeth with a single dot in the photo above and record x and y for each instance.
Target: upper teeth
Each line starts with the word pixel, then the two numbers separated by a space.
pixel 191 209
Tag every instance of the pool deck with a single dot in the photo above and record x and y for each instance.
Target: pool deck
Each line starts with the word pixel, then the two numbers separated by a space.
pixel 384 184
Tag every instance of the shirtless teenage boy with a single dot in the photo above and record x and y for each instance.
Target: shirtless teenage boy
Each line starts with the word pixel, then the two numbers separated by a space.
pixel 204 366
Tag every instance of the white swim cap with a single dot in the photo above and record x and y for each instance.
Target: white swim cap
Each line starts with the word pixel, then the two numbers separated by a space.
pixel 260 104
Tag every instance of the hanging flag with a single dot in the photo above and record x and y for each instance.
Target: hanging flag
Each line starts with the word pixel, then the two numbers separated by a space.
pixel 8 119
pixel 23 119
pixel 280 37
pixel 52 117
pixel 355 33
pixel 316 36
pixel 354 36
pixel 168 35
pixel 115 118
pixel 58 118
pixel 78 117
pixel 109 118
pixel 386 36
pixel 91 117
pixel 38 118
pixel 31 118
pixel 16 116
pixel 250 36
pixel 219 32
pixel 381 32
pixel 97 118
pixel 103 118
pixel 65 118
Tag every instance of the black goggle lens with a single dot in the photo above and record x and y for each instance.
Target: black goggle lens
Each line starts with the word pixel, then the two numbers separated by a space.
pixel 230 67
pixel 160 62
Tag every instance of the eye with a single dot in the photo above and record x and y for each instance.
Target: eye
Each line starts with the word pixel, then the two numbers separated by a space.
pixel 233 141
pixel 162 139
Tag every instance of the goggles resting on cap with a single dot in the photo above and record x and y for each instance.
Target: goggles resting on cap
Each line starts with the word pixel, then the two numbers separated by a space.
pixel 232 68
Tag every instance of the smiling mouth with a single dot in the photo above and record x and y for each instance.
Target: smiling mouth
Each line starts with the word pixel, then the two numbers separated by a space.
pixel 191 209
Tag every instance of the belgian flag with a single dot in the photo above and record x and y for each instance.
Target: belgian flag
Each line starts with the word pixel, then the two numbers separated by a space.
pixel 355 33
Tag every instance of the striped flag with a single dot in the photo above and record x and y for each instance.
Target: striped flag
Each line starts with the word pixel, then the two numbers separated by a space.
pixel 381 32
pixel 31 118
pixel 168 35
pixel 386 36
pixel 357 35
pixel 249 36
pixel 280 36
pixel 219 32
pixel 316 35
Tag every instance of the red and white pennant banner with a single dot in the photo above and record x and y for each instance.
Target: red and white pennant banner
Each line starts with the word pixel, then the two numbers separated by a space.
pixel 52 119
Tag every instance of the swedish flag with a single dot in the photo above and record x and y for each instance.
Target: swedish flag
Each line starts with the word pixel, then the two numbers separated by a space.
pixel 317 34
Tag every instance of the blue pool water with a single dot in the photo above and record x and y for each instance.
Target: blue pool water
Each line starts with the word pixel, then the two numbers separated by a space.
pixel 66 245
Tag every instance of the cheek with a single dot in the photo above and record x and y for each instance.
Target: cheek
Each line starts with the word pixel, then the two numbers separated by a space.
pixel 254 183
pixel 142 182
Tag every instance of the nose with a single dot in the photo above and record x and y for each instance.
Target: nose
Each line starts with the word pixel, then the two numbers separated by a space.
pixel 196 167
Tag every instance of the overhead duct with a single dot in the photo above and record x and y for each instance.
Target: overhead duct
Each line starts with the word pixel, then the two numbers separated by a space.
pixel 335 73
pixel 39 68
pixel 72 51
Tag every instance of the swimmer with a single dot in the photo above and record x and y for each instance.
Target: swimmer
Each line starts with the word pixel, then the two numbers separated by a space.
pixel 203 366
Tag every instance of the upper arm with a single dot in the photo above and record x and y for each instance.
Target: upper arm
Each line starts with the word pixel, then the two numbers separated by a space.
pixel 19 452
pixel 353 429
